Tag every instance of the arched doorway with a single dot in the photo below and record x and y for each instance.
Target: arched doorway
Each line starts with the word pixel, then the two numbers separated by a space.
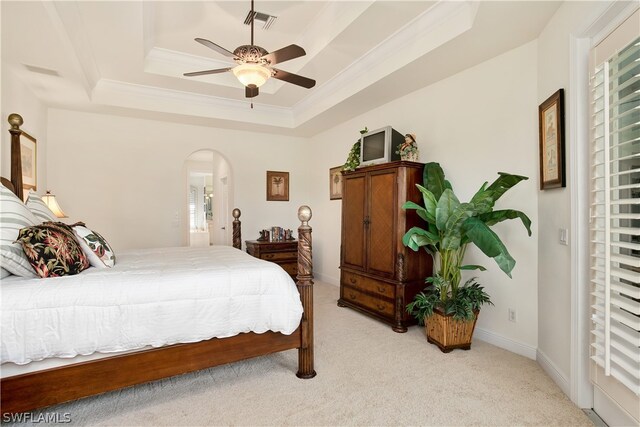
pixel 207 178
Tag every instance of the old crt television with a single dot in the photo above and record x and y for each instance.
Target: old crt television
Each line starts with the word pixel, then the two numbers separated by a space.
pixel 380 146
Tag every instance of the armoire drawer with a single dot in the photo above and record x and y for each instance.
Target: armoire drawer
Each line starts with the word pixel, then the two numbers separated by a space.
pixel 369 285
pixel 381 307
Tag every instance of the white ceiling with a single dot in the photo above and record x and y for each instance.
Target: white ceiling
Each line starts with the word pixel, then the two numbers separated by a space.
pixel 128 57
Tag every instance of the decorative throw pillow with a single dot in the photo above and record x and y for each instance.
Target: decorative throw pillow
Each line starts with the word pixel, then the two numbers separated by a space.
pixel 95 247
pixel 4 273
pixel 39 208
pixel 52 249
pixel 14 215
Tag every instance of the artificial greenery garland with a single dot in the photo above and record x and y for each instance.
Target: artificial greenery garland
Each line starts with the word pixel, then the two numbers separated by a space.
pixel 353 159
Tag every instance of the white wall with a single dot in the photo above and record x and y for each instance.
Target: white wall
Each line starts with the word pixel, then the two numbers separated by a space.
pixel 475 123
pixel 125 176
pixel 554 206
pixel 17 98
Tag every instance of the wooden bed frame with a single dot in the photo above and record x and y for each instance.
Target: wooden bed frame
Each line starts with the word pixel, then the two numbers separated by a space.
pixel 39 389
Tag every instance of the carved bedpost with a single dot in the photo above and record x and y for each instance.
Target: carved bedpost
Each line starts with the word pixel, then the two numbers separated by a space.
pixel 237 229
pixel 15 120
pixel 305 287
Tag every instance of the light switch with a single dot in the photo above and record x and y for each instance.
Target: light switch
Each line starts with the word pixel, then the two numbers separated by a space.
pixel 564 236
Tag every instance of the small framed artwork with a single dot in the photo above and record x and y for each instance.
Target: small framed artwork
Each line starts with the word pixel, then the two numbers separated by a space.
pixel 551 133
pixel 335 183
pixel 29 156
pixel 277 186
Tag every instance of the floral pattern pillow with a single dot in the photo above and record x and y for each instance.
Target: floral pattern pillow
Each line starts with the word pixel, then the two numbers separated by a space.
pixel 52 249
pixel 95 247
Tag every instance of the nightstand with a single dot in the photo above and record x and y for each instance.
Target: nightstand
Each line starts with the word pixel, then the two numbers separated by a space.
pixel 284 253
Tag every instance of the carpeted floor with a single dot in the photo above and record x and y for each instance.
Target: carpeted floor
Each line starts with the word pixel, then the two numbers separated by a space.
pixel 367 375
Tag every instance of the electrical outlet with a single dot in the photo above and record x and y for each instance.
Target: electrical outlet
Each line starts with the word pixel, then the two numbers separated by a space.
pixel 512 315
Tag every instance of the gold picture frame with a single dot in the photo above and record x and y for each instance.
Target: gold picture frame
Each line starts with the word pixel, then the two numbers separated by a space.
pixel 335 183
pixel 277 186
pixel 29 157
pixel 551 134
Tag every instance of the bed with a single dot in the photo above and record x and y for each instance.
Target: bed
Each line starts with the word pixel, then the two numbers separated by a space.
pixel 224 328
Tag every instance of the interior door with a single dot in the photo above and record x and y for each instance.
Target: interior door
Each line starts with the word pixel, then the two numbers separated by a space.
pixel 353 221
pixel 381 230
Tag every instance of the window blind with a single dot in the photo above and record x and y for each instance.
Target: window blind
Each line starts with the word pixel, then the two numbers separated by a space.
pixel 615 216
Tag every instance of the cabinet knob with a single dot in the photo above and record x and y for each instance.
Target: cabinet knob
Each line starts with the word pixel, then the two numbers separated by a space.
pixel 380 307
pixel 353 280
pixel 352 295
pixel 381 288
pixel 268 256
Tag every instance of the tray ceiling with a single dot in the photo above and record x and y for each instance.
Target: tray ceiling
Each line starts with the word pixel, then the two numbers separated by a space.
pixel 128 57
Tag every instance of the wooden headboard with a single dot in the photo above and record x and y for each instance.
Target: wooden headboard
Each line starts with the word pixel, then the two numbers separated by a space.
pixel 15 183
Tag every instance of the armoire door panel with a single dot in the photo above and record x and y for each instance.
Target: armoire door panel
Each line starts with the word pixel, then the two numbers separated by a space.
pixel 353 218
pixel 381 231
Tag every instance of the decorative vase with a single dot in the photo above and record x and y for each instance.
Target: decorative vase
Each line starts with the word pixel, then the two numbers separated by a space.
pixel 447 333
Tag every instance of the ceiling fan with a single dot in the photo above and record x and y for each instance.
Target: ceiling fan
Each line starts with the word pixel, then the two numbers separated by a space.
pixel 255 64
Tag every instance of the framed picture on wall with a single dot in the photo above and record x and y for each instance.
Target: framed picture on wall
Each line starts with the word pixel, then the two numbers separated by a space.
pixel 551 134
pixel 335 183
pixel 277 186
pixel 29 156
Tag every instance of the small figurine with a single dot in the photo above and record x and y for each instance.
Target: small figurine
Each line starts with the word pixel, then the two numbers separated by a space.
pixel 409 149
pixel 264 236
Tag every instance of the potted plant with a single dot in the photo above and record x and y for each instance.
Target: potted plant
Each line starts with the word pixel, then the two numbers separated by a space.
pixel 449 309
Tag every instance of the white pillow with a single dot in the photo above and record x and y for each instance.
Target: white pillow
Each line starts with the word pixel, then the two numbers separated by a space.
pixel 94 246
pixel 39 208
pixel 4 273
pixel 14 215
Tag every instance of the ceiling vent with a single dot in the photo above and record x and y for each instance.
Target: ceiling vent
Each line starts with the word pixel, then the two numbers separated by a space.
pixel 266 19
pixel 41 70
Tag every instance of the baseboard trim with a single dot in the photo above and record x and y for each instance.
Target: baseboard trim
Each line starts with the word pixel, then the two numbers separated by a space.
pixel 506 343
pixel 552 370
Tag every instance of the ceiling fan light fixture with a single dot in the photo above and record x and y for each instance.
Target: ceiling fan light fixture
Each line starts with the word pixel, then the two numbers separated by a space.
pixel 252 74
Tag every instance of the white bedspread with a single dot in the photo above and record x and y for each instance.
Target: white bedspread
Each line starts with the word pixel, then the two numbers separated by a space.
pixel 152 297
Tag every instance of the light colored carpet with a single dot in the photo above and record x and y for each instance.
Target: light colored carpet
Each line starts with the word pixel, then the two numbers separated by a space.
pixel 367 375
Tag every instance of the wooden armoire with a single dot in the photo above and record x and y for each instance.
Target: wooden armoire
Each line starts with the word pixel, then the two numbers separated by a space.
pixel 379 276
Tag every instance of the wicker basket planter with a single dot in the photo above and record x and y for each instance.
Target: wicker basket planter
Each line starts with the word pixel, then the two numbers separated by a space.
pixel 447 333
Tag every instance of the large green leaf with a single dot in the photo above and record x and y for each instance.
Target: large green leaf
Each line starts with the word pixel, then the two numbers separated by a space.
pixel 452 231
pixel 433 179
pixel 482 200
pixel 422 212
pixel 447 203
pixel 429 201
pixel 489 243
pixel 492 218
pixel 417 237
pixel 503 183
pixel 472 267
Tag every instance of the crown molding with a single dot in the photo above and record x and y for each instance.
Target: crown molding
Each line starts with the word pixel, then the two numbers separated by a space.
pixel 129 95
pixel 429 30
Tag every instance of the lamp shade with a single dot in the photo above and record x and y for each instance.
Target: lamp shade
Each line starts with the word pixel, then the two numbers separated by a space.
pixel 252 74
pixel 51 202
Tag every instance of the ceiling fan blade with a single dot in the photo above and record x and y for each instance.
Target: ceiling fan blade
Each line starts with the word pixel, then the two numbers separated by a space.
pixel 250 91
pixel 212 45
pixel 286 53
pixel 202 73
pixel 293 78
